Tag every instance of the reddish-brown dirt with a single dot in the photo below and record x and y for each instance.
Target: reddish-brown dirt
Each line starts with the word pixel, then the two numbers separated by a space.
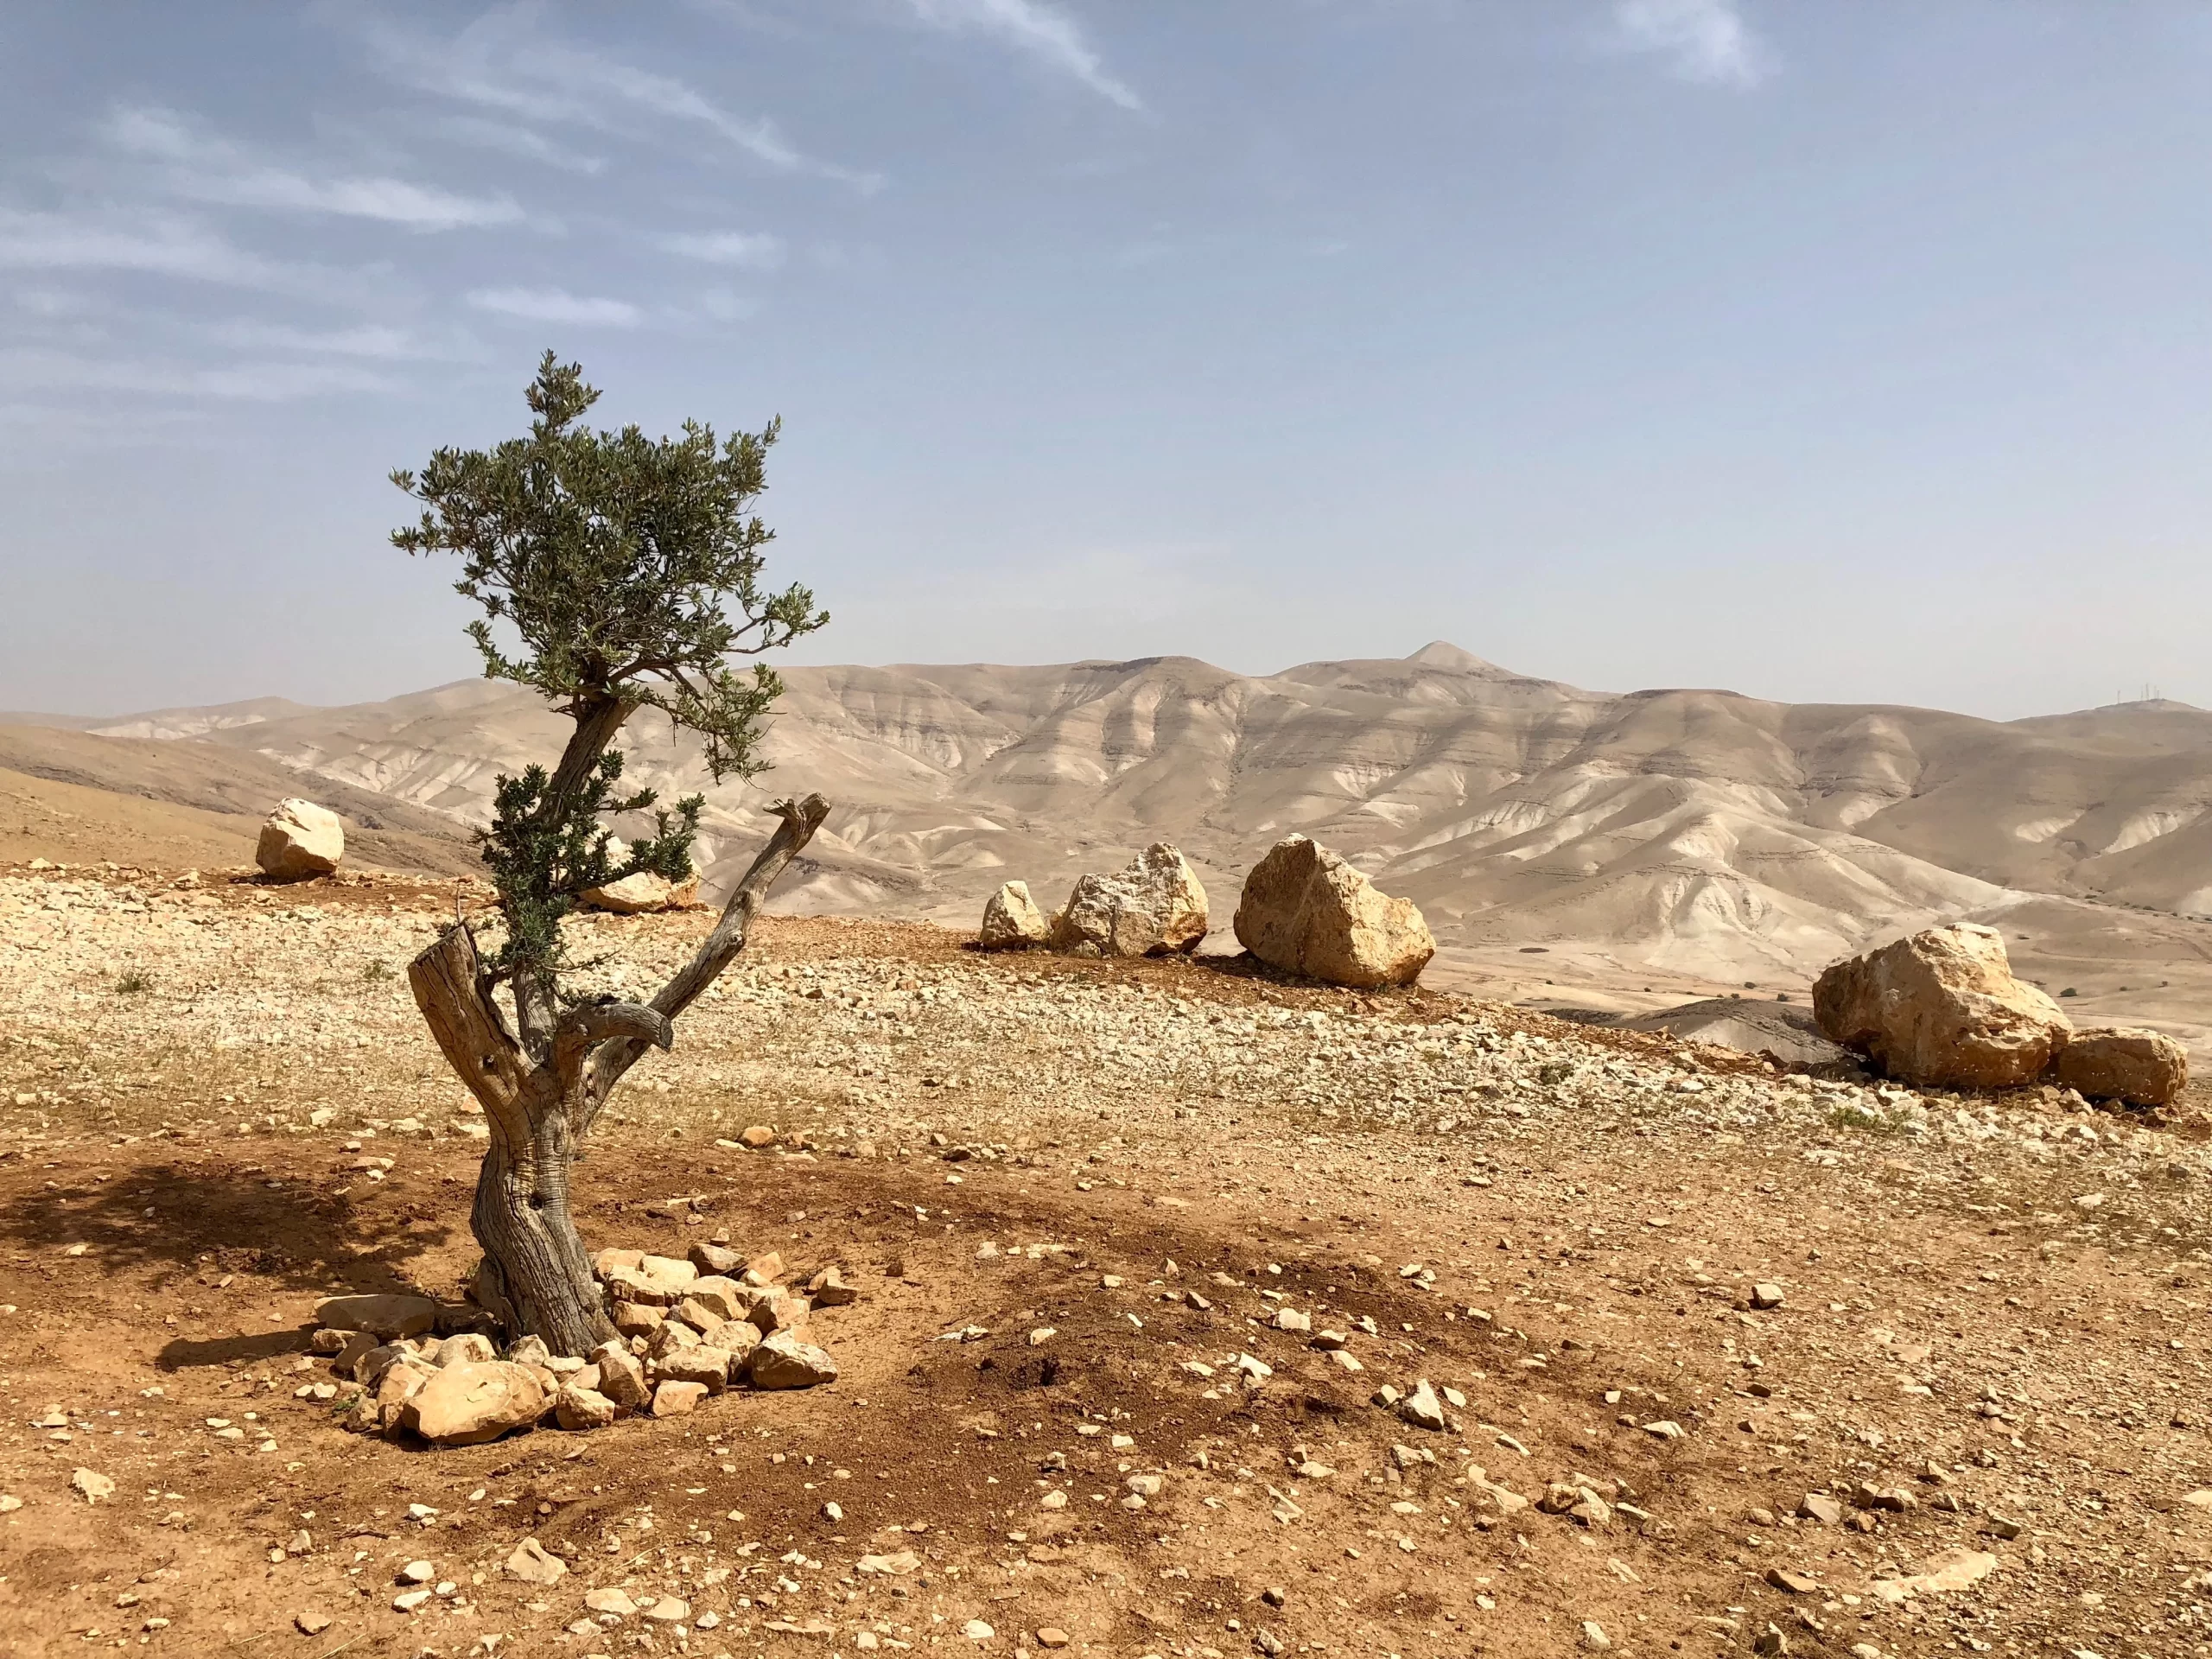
pixel 923 1427
pixel 1959 1325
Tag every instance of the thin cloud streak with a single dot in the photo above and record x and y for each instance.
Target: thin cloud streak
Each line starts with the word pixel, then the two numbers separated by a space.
pixel 203 166
pixel 377 341
pixel 501 62
pixel 1703 41
pixel 1050 37
pixel 43 370
pixel 163 246
pixel 750 252
pixel 525 143
pixel 556 305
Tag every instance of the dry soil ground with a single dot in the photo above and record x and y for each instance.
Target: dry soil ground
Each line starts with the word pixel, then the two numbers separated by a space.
pixel 219 1105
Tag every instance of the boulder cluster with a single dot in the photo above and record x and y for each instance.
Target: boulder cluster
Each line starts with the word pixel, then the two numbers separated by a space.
pixel 1154 907
pixel 1304 910
pixel 689 1329
pixel 1941 1009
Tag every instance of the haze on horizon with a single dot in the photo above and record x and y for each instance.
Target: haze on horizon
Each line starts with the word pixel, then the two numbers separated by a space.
pixel 1843 353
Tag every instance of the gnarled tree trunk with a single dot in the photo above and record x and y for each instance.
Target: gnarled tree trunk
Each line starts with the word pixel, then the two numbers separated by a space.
pixel 541 1091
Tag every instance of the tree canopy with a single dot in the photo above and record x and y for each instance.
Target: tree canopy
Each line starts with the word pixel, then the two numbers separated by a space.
pixel 616 572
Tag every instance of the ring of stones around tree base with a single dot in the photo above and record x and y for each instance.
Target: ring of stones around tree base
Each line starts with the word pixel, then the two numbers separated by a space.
pixel 690 1330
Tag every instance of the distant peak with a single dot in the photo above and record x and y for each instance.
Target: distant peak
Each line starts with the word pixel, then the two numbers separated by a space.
pixel 2151 706
pixel 1442 653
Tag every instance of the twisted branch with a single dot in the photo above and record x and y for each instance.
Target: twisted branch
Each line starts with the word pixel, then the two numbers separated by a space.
pixel 448 982
pixel 800 820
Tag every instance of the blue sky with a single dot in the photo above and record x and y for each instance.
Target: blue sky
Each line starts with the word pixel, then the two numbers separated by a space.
pixel 1846 352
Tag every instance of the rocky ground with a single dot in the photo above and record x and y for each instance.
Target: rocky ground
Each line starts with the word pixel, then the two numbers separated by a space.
pixel 1721 1361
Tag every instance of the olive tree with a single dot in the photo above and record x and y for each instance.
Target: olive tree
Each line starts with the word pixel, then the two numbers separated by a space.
pixel 617 573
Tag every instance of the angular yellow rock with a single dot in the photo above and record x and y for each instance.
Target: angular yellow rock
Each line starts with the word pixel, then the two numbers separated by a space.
pixel 1306 911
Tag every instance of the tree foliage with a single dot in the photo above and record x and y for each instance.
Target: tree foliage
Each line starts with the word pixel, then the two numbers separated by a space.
pixel 616 572
pixel 541 860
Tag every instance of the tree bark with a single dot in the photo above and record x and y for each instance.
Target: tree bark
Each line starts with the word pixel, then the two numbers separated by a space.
pixel 536 1277
pixel 540 1098
pixel 599 717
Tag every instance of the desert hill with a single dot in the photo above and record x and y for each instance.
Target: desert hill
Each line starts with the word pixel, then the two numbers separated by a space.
pixel 71 796
pixel 1696 836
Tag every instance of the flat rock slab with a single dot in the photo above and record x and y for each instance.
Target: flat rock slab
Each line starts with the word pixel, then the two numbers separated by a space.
pixel 678 1399
pixel 385 1314
pixel 1961 1569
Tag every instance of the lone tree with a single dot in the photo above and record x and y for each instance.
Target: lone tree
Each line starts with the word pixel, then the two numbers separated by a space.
pixel 628 568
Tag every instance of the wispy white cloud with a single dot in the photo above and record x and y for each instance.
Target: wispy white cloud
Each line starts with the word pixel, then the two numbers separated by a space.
pixel 377 341
pixel 1044 33
pixel 173 247
pixel 46 371
pixel 526 142
pixel 750 250
pixel 504 61
pixel 1704 40
pixel 161 244
pixel 201 166
pixel 556 305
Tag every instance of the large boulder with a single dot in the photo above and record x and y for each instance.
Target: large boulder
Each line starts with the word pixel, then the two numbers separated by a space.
pixel 1152 906
pixel 643 891
pixel 1941 1009
pixel 2144 1068
pixel 467 1405
pixel 1304 910
pixel 784 1361
pixel 1012 920
pixel 300 840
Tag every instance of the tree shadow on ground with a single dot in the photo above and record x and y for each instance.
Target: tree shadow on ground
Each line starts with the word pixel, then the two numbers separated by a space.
pixel 167 1220
pixel 184 1352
